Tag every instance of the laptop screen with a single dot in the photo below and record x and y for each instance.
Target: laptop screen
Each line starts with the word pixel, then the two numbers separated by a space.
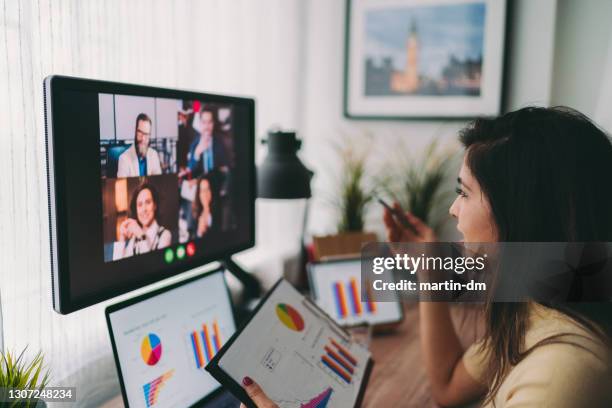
pixel 162 341
pixel 336 287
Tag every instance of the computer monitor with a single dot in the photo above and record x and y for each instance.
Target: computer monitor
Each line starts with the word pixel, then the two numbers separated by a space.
pixel 163 340
pixel 336 288
pixel 144 183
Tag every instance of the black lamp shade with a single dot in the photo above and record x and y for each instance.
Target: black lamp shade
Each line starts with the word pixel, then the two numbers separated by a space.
pixel 282 175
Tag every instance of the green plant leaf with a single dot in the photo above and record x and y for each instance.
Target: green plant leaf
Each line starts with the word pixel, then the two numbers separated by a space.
pixel 21 373
pixel 420 185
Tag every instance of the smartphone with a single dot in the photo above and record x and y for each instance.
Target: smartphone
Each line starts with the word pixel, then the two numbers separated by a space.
pixel 399 216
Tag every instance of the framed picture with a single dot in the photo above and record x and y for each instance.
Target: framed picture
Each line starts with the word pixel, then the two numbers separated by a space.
pixel 424 58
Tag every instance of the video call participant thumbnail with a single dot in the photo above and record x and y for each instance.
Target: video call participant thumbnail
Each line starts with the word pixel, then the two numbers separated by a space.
pixel 140 159
pixel 186 134
pixel 207 151
pixel 205 208
pixel 141 233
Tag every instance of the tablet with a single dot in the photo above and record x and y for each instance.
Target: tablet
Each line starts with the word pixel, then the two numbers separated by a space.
pixel 336 288
pixel 163 339
pixel 299 356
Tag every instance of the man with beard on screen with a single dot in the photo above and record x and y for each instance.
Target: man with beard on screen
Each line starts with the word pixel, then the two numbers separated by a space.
pixel 140 159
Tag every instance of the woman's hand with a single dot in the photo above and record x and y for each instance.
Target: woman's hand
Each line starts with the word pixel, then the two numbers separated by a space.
pixel 203 145
pixel 128 229
pixel 396 232
pixel 202 224
pixel 256 394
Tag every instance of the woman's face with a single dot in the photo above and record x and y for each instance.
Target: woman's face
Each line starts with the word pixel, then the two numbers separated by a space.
pixel 472 210
pixel 205 194
pixel 145 207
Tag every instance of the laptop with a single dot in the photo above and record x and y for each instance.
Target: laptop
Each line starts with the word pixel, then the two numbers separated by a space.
pixel 336 288
pixel 162 341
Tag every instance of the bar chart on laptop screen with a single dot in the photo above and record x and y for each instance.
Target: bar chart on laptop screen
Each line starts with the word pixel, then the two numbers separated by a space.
pixel 206 341
pixel 338 290
pixel 204 333
pixel 347 299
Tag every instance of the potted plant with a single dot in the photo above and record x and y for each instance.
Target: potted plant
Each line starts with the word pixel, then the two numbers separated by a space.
pixel 355 192
pixel 19 373
pixel 422 186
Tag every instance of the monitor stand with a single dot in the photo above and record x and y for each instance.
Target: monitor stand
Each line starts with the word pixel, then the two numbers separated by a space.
pixel 252 287
pixel 252 290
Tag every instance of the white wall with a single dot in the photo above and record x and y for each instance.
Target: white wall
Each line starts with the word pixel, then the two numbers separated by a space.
pixel 583 58
pixel 529 68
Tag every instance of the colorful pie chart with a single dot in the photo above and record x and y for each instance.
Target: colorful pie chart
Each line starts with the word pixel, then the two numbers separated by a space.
pixel 151 349
pixel 290 317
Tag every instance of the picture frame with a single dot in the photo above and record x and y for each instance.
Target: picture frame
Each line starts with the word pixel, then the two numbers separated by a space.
pixel 424 59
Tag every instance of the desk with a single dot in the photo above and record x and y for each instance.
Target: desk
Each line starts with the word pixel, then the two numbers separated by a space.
pixel 399 378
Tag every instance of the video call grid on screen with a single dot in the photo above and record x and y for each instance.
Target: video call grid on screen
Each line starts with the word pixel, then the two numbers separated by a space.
pixel 165 164
pixel 163 342
pixel 144 183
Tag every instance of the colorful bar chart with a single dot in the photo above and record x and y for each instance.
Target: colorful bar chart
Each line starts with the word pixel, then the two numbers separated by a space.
pixel 320 401
pixel 339 360
pixel 151 390
pixel 205 343
pixel 346 297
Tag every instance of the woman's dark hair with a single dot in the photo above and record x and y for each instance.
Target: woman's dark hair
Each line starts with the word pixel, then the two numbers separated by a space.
pixel 546 172
pixel 547 175
pixel 197 207
pixel 154 194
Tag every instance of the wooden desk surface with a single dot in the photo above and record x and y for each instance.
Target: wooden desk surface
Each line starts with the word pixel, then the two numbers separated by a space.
pixel 399 378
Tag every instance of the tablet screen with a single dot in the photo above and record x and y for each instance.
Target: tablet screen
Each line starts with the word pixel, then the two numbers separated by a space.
pixel 299 356
pixel 163 343
pixel 336 287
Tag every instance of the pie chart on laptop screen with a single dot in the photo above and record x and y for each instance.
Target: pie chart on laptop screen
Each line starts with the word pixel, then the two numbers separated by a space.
pixel 151 349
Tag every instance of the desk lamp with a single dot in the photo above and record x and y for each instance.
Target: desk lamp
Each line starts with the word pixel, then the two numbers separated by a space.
pixel 283 176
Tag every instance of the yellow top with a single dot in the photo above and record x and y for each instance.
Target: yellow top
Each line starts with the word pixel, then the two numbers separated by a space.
pixel 554 375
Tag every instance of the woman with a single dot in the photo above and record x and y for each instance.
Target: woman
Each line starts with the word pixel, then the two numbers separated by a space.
pixel 142 233
pixel 535 174
pixel 204 216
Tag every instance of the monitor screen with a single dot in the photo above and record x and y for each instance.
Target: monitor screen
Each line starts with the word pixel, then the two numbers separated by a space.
pixel 336 288
pixel 162 341
pixel 144 183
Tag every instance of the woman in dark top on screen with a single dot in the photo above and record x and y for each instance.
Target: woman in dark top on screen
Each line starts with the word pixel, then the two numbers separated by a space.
pixel 205 214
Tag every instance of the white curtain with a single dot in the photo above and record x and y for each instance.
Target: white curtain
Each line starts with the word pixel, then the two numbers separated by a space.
pixel 243 47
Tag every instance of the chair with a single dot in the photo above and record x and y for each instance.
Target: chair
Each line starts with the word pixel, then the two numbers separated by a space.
pixel 112 163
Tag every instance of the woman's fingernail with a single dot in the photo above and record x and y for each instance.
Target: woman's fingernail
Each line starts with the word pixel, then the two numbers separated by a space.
pixel 247 381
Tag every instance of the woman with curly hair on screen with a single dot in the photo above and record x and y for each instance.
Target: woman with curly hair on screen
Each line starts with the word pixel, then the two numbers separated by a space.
pixel 141 233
